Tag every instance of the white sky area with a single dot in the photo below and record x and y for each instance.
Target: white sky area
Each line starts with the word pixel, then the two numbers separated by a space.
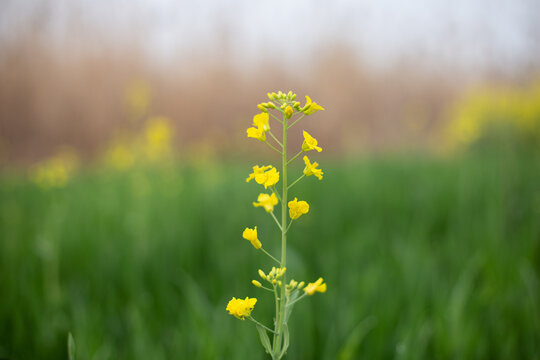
pixel 504 33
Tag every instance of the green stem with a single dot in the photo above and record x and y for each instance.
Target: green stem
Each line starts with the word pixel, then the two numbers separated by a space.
pixel 297 120
pixel 258 323
pixel 267 143
pixel 267 253
pixel 276 192
pixel 281 312
pixel 281 122
pixel 297 299
pixel 297 180
pixel 277 222
pixel 295 156
pixel 273 137
pixel 287 229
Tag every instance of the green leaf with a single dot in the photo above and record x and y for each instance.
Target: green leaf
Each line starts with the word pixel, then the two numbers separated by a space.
pixel 285 341
pixel 264 338
pixel 71 347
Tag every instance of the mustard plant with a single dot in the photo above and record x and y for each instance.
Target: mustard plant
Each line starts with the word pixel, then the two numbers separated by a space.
pixel 286 294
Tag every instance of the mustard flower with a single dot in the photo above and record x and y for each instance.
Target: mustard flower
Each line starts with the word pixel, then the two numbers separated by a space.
pixel 258 173
pixel 267 201
pixel 261 121
pixel 310 143
pixel 317 286
pixel 311 107
pixel 297 208
pixel 266 175
pixel 311 169
pixel 256 133
pixel 251 235
pixel 241 308
pixel 272 177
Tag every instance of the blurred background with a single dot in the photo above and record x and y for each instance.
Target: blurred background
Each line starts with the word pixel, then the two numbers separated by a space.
pixel 123 156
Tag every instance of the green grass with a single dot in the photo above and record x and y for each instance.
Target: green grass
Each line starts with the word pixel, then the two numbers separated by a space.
pixel 424 259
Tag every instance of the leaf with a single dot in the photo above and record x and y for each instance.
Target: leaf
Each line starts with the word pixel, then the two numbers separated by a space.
pixel 264 338
pixel 71 347
pixel 285 340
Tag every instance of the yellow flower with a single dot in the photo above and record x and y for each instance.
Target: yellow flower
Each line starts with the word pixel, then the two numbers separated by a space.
pixel 297 208
pixel 241 308
pixel 272 177
pixel 263 176
pixel 256 133
pixel 311 169
pixel 267 201
pixel 310 143
pixel 258 173
pixel 261 121
pixel 318 286
pixel 311 107
pixel 251 235
pixel 288 112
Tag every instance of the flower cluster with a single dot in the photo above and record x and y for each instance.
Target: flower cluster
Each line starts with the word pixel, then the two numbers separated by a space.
pixel 286 294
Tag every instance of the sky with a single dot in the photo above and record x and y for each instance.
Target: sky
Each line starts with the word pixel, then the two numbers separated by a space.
pixel 471 33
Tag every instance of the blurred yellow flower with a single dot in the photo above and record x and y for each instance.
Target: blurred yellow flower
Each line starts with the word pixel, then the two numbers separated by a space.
pixel 120 156
pixel 311 169
pixel 267 201
pixel 56 171
pixel 251 236
pixel 495 108
pixel 317 286
pixel 157 137
pixel 297 208
pixel 311 107
pixel 310 143
pixel 241 308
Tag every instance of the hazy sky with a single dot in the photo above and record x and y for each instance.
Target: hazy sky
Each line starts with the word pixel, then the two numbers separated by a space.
pixel 503 32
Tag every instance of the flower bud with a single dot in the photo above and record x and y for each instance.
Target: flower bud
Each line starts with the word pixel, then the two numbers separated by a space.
pixel 261 107
pixel 274 281
pixel 280 94
pixel 289 94
pixel 293 96
pixel 256 283
pixel 270 105
pixel 296 105
pixel 270 96
pixel 274 96
pixel 279 283
pixel 262 275
pixel 301 285
pixel 288 112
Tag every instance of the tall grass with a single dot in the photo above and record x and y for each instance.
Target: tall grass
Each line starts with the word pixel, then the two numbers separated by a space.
pixel 424 259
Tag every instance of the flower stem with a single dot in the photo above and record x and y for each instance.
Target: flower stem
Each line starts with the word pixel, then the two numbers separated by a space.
pixel 258 323
pixel 297 120
pixel 273 258
pixel 281 311
pixel 267 143
pixel 277 222
pixel 276 192
pixel 295 156
pixel 273 137
pixel 281 122
pixel 297 180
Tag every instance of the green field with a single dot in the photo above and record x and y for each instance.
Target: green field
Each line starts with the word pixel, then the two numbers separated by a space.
pixel 424 258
